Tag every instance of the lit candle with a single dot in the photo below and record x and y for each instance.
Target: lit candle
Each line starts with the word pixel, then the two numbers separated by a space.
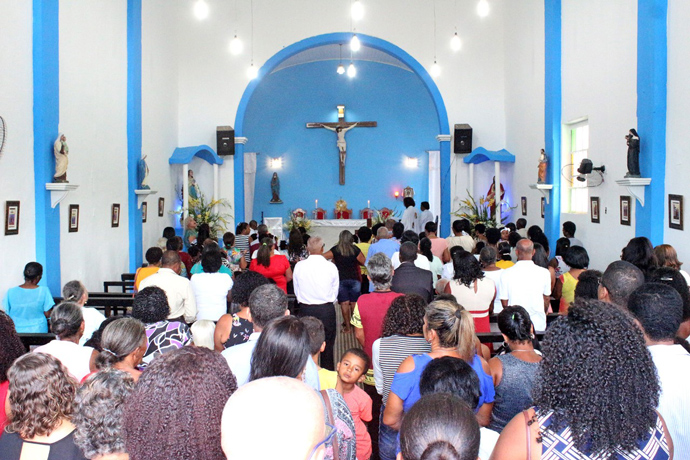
pixel 316 203
pixel 368 203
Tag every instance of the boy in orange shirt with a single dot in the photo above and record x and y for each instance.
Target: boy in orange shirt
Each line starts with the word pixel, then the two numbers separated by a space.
pixel 351 370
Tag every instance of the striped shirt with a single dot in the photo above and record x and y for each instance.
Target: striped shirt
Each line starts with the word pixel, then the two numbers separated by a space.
pixel 242 244
pixel 388 353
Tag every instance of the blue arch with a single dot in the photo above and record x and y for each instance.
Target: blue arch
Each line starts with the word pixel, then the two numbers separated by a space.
pixel 185 155
pixel 334 39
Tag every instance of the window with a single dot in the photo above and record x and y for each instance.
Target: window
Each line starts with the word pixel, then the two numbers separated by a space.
pixel 575 197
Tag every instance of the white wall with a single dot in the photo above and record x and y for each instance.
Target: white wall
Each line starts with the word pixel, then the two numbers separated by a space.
pixel 159 111
pixel 212 81
pixel 17 160
pixel 93 116
pixel 677 122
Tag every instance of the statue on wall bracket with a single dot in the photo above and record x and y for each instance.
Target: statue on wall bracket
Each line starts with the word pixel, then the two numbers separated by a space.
pixel 61 152
pixel 543 165
pixel 633 141
pixel 275 189
pixel 143 174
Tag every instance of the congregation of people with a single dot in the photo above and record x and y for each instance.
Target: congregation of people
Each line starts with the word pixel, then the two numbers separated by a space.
pixel 229 350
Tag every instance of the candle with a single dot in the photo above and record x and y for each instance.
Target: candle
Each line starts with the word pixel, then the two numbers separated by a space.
pixel 368 203
pixel 316 203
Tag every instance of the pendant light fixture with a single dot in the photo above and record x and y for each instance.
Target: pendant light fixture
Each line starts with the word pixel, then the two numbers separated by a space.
pixel 483 8
pixel 201 10
pixel 236 45
pixel 341 67
pixel 355 44
pixel 252 72
pixel 435 69
pixel 357 10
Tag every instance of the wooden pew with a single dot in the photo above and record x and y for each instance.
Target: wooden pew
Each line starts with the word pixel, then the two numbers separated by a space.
pixel 110 303
pixel 35 339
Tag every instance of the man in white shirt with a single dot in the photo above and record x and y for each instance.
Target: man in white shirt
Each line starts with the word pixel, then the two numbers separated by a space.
pixel 316 284
pixel 461 236
pixel 569 232
pixel 521 227
pixel 421 261
pixel 410 217
pixel 527 285
pixel 426 216
pixel 658 309
pixel 177 288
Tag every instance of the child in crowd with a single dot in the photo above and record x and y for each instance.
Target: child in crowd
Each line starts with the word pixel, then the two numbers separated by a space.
pixel 351 369
pixel 317 343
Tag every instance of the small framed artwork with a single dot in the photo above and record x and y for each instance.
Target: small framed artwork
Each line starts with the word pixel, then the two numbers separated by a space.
pixel 594 209
pixel 11 217
pixel 523 202
pixel 675 211
pixel 115 216
pixel 161 207
pixel 626 202
pixel 73 218
pixel 543 207
pixel 144 211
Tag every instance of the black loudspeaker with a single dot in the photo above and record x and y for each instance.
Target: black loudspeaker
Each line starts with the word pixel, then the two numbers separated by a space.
pixel 462 139
pixel 225 138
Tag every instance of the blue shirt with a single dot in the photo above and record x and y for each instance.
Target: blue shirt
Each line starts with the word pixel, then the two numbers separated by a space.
pixel 26 307
pixel 386 246
pixel 239 358
pixel 197 268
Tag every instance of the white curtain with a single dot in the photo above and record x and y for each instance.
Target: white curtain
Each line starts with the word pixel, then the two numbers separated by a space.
pixel 435 183
pixel 249 180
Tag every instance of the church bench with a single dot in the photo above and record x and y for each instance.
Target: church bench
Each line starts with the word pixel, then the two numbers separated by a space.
pixel 30 339
pixel 123 286
pixel 551 317
pixel 110 303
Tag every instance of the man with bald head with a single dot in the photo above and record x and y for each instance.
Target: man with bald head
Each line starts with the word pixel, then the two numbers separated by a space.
pixel 178 288
pixel 619 280
pixel 273 417
pixel 383 244
pixel 527 285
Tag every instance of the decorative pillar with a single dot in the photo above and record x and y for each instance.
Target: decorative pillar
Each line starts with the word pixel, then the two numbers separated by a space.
pixel 238 168
pixel 46 92
pixel 552 117
pixel 497 191
pixel 444 218
pixel 471 181
pixel 216 193
pixel 134 130
pixel 185 194
pixel 652 68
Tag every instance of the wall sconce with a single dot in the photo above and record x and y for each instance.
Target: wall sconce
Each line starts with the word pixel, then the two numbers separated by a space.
pixel 276 163
pixel 411 162
pixel 396 194
pixel 341 108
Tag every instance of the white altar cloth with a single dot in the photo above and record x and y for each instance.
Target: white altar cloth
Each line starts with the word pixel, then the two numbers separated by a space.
pixel 329 229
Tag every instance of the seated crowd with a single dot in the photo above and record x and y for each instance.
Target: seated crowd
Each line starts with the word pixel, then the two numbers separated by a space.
pixel 215 361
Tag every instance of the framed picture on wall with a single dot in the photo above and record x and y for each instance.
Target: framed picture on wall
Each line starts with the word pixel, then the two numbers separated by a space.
pixel 115 216
pixel 675 211
pixel 73 218
pixel 161 207
pixel 543 207
pixel 144 211
pixel 626 203
pixel 594 209
pixel 523 202
pixel 11 217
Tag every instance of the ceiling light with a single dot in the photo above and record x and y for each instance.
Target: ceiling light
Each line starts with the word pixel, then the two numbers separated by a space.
pixel 357 10
pixel 341 69
pixel 455 42
pixel 236 46
pixel 351 70
pixel 483 8
pixel 355 44
pixel 252 72
pixel 435 70
pixel 201 10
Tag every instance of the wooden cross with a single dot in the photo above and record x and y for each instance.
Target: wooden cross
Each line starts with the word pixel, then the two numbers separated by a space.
pixel 340 128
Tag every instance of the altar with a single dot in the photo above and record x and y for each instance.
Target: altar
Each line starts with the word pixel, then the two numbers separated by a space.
pixel 329 229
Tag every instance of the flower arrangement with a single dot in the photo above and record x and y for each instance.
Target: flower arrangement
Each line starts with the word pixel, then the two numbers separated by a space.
pixel 294 222
pixel 203 213
pixel 477 213
pixel 379 219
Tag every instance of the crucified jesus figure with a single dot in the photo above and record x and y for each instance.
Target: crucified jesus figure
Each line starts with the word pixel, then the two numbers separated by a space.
pixel 342 146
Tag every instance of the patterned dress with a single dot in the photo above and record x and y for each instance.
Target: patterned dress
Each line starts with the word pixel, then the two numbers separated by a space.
pixel 240 331
pixel 165 336
pixel 560 445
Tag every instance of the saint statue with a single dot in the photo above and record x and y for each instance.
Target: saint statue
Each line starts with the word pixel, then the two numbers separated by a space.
pixel 342 146
pixel 543 163
pixel 633 141
pixel 275 189
pixel 143 174
pixel 61 151
pixel 193 188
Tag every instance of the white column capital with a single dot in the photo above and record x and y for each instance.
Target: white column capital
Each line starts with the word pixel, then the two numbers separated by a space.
pixel 241 140
pixel 443 137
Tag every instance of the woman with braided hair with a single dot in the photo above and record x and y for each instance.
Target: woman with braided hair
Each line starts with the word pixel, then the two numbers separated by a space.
pixel 595 395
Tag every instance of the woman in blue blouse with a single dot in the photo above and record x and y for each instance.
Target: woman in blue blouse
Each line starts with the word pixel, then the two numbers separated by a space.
pixel 449 328
pixel 29 303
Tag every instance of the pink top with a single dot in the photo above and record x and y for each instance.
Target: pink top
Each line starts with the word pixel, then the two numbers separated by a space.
pixel 276 270
pixel 359 403
pixel 438 245
pixel 4 386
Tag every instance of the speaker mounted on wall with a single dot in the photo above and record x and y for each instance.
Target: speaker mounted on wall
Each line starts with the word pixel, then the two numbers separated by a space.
pixel 225 138
pixel 462 139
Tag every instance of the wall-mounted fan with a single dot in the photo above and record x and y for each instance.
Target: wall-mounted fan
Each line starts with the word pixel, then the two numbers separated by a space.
pixel 584 173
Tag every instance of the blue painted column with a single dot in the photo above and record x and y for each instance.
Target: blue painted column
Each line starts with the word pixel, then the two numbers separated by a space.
pixel 652 67
pixel 552 116
pixel 133 129
pixel 445 218
pixel 46 81
pixel 238 165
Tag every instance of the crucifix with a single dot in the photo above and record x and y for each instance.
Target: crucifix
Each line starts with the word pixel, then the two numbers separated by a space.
pixel 340 128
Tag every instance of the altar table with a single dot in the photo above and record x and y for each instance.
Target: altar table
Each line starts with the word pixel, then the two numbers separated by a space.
pixel 329 229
